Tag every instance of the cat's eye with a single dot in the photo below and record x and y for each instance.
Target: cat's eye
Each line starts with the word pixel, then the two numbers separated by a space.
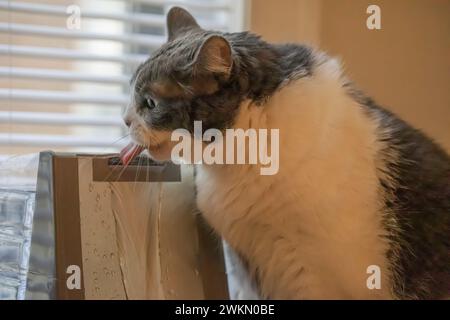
pixel 151 103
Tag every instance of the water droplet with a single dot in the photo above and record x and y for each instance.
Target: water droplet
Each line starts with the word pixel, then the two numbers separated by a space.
pixel 98 197
pixel 105 256
pixel 112 255
pixel 95 251
pixel 91 187
pixel 197 273
pixel 97 289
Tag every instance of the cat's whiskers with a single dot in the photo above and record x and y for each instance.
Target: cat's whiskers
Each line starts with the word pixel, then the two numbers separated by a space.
pixel 116 166
pixel 125 166
pixel 116 141
pixel 137 173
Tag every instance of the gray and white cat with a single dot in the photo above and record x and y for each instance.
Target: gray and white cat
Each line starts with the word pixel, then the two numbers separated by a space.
pixel 356 186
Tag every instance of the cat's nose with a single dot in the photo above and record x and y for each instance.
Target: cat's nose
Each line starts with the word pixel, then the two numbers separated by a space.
pixel 127 121
pixel 128 116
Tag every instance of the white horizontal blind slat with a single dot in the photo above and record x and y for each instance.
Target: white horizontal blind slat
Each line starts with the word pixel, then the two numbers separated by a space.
pixel 61 96
pixel 59 53
pixel 144 19
pixel 57 141
pixel 49 74
pixel 58 119
pixel 36 30
pixel 191 4
pixel 154 20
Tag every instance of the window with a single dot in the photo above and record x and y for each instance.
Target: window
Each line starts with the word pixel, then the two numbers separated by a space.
pixel 65 66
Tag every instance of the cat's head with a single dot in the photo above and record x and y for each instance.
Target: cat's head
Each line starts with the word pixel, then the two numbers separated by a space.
pixel 188 78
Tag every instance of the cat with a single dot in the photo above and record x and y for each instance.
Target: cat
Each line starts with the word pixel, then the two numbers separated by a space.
pixel 357 187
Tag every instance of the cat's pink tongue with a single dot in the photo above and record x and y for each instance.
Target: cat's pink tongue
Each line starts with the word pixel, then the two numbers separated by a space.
pixel 130 152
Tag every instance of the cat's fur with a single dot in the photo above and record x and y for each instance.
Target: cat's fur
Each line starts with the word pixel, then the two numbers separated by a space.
pixel 356 186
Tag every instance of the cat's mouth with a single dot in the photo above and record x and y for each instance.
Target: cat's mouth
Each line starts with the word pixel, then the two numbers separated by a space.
pixel 129 152
pixel 132 150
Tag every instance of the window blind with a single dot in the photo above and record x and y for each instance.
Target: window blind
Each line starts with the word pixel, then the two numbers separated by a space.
pixel 65 66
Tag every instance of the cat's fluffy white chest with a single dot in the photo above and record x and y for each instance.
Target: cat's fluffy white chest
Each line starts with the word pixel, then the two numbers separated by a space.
pixel 312 230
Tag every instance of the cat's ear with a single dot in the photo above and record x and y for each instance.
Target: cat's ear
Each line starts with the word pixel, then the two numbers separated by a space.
pixel 179 21
pixel 215 56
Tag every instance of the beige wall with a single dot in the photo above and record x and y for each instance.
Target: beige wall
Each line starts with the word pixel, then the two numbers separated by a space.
pixel 287 20
pixel 405 66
